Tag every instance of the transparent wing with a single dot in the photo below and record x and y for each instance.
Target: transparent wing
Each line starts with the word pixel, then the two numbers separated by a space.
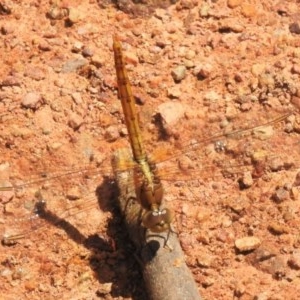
pixel 74 191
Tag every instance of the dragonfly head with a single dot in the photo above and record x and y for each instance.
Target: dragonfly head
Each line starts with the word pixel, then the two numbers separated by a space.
pixel 157 220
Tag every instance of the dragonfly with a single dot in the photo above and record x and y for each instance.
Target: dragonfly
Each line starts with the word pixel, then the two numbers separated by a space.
pixel 148 185
pixel 166 164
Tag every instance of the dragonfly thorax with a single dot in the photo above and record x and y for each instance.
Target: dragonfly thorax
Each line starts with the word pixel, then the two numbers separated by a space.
pixel 149 190
pixel 150 194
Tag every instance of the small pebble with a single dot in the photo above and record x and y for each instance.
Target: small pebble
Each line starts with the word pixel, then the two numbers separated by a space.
pixel 7 194
pixel 43 288
pixel 231 25
pixel 281 194
pixel 18 274
pixel 203 238
pixel 54 146
pixel 73 193
pixel 226 223
pixel 171 112
pixel 230 114
pixel 295 194
pixel 188 4
pixel 6 7
pixel 222 236
pixel 160 14
pixel 246 180
pixel 205 261
pixel 294 28
pixel 189 63
pixel 73 65
pixel 276 164
pixel 57 13
pixel 190 54
pixel 11 81
pixel 212 96
pixel 248 10
pixel 297 180
pixel 247 243
pixel 31 285
pixel 155 49
pixel 296 125
pixel 234 3
pixel 294 261
pixel 275 266
pixel 171 27
pixel 105 289
pixel 112 133
pixel 296 69
pixel 75 121
pixel 263 133
pixel 74 15
pixel 296 101
pixel 35 73
pixel 6 272
pixel 174 92
pixel 31 100
pixel 77 46
pixel 179 73
pixel 277 228
pixel 208 281
pixel 87 52
pixel 204 10
pixel 262 296
pixel 98 60
pixel 263 254
pixel 76 98
pixel 25 133
pixel 239 290
pixel 203 71
pixel 131 58
pixel 44 46
pixel 137 31
pixel 124 131
pixel 257 69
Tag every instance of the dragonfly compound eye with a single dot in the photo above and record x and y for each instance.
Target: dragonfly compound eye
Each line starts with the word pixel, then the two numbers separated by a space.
pixel 157 220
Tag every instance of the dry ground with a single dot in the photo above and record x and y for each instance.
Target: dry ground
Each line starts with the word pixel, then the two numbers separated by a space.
pixel 197 68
